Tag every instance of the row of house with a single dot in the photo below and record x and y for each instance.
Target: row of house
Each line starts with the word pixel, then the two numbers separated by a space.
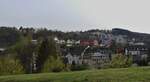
pixel 95 59
pixel 79 42
pixel 138 52
pixel 94 56
pixel 100 51
pixel 101 39
pixel 97 56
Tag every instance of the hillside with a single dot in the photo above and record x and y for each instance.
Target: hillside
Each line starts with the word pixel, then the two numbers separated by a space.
pixel 107 75
pixel 140 37
pixel 10 35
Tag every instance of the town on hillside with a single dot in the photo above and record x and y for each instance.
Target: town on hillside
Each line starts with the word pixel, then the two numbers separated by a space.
pixel 100 47
pixel 93 47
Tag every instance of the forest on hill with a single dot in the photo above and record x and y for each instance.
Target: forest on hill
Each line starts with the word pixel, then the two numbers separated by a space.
pixel 10 35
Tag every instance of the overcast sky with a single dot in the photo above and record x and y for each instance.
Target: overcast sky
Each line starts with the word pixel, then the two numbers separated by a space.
pixel 69 15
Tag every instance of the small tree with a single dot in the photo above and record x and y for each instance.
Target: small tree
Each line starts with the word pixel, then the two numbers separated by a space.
pixel 121 61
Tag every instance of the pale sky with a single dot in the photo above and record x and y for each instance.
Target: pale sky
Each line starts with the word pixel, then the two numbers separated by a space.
pixel 70 15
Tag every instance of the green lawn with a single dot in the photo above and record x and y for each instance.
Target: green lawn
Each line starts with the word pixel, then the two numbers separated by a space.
pixel 140 74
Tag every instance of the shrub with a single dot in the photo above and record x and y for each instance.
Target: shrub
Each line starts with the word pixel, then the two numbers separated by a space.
pixel 53 65
pixel 120 61
pixel 9 66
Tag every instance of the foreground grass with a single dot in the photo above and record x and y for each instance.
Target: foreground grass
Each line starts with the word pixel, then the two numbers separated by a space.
pixel 140 74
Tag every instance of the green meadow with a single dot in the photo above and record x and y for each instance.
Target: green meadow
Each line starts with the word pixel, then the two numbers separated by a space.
pixel 133 74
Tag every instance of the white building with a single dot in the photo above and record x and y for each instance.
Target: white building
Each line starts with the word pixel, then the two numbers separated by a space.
pixel 2 49
pixel 72 58
pixel 137 52
pixel 77 42
pixel 70 42
pixel 99 58
pixel 96 59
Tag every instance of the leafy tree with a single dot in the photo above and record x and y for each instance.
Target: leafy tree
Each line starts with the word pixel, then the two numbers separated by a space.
pixel 24 50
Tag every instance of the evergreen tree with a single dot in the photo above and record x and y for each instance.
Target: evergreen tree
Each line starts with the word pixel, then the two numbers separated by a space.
pixel 47 49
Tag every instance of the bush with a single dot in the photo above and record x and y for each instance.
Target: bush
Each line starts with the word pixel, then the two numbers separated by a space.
pixel 53 65
pixel 10 66
pixel 121 61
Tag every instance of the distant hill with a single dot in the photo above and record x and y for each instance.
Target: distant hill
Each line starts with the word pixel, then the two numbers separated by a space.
pixel 140 37
pixel 118 31
pixel 10 35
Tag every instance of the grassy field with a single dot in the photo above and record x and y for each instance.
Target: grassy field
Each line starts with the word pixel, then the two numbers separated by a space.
pixel 140 74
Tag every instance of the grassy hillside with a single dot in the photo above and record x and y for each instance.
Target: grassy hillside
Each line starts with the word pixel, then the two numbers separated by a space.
pixel 107 75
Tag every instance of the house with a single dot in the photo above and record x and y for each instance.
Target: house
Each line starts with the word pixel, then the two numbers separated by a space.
pixel 99 59
pixel 97 56
pixel 34 41
pixel 77 42
pixel 62 42
pixel 72 59
pixel 59 41
pixel 137 43
pixel 86 59
pixel 2 49
pixel 96 59
pixel 137 52
pixel 70 42
pixel 89 43
pixel 56 39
